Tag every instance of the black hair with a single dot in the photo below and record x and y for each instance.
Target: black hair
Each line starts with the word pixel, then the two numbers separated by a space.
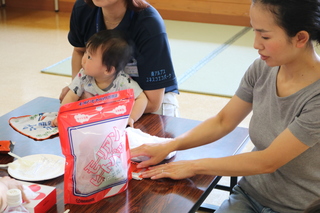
pixel 115 47
pixel 135 5
pixel 314 207
pixel 295 16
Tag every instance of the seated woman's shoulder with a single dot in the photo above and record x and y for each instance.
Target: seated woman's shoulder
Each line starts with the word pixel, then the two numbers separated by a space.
pixel 150 18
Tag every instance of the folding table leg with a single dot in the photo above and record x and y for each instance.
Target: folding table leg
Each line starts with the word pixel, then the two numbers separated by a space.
pixel 56 5
pixel 205 207
pixel 233 182
pixel 211 208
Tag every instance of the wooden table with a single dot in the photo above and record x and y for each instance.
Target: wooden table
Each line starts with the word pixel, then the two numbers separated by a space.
pixel 164 195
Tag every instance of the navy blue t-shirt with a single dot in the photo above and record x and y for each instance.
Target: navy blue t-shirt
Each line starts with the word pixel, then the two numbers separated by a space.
pixel 148 34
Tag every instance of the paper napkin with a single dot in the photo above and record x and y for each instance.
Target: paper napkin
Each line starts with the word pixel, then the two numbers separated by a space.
pixel 136 138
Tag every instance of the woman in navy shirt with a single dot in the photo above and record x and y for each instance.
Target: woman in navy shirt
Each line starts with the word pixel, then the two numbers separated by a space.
pixel 151 65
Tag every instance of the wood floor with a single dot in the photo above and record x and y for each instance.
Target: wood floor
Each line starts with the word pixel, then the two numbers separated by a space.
pixel 31 40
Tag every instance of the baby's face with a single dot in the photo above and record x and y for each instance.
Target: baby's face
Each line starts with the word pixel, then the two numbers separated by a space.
pixel 92 63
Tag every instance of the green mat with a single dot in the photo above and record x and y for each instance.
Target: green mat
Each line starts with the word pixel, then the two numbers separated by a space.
pixel 62 68
pixel 222 71
pixel 208 58
pixel 191 42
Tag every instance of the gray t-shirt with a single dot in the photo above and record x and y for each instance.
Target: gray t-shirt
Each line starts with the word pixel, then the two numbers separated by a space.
pixel 295 185
pixel 83 82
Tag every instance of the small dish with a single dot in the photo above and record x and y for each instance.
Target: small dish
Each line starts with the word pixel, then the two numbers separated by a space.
pixel 43 167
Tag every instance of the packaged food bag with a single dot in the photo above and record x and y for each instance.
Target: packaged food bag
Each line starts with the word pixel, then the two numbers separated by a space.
pixel 94 142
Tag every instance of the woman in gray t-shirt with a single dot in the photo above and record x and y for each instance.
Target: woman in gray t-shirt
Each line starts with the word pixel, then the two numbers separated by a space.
pixel 282 89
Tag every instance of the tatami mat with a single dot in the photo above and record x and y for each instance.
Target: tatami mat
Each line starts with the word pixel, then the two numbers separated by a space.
pixel 201 55
pixel 62 68
pixel 222 74
pixel 191 42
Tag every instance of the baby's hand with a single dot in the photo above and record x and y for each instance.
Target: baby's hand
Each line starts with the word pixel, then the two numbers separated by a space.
pixel 54 122
pixel 130 122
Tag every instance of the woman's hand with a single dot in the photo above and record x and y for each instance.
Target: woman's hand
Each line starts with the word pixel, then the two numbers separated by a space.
pixel 157 152
pixel 63 93
pixel 174 170
pixel 7 183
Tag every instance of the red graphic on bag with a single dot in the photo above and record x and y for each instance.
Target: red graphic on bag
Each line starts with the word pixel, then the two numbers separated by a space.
pixel 94 142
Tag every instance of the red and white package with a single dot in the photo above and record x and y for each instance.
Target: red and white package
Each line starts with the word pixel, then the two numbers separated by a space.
pixel 94 142
pixel 41 197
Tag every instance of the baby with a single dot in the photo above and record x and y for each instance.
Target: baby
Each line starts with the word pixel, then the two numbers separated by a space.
pixel 107 53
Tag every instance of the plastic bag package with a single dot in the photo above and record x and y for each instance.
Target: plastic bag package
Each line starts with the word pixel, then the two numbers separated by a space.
pixel 94 142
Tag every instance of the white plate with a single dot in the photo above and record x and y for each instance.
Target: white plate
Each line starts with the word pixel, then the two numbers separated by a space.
pixel 37 167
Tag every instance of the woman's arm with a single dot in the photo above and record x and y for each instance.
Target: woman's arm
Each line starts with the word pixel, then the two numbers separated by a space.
pixel 215 127
pixel 76 61
pixel 138 108
pixel 155 99
pixel 208 131
pixel 282 150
